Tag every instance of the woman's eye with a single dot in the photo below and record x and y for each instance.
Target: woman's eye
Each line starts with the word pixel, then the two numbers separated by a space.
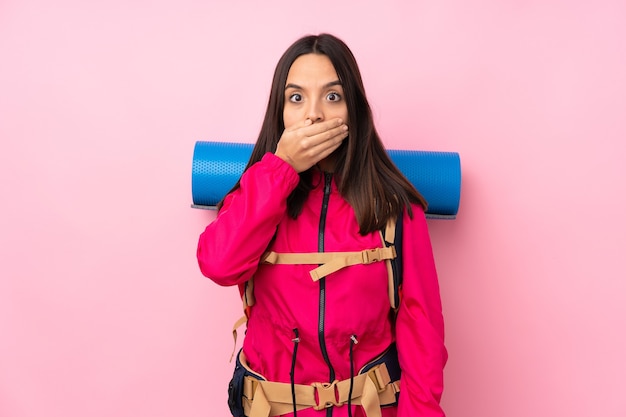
pixel 295 98
pixel 333 97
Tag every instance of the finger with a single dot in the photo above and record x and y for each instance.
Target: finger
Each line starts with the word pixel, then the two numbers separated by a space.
pixel 330 134
pixel 308 140
pixel 298 126
pixel 311 129
pixel 328 146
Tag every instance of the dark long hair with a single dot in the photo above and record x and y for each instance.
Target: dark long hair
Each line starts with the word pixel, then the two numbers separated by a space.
pixel 366 177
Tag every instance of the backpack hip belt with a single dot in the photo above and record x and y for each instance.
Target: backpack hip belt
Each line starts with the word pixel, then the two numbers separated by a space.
pixel 372 389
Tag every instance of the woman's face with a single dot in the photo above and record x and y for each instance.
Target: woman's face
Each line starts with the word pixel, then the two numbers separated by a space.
pixel 313 91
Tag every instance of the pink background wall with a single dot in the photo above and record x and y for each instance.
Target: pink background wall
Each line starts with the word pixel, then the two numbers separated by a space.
pixel 103 311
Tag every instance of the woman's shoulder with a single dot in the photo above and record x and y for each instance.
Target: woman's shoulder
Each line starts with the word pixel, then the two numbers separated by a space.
pixel 414 219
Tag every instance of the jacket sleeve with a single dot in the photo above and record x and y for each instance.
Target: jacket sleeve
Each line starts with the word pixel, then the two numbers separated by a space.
pixel 230 248
pixel 419 325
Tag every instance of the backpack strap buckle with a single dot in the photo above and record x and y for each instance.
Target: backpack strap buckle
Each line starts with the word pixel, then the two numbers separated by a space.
pixel 327 394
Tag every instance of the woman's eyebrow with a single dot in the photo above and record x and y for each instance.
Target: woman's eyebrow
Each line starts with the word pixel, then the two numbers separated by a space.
pixel 297 87
pixel 294 86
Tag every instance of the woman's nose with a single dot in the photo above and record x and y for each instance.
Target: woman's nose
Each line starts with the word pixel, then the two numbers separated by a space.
pixel 315 112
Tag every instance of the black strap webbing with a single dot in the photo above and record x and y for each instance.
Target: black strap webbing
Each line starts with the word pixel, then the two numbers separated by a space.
pixel 396 264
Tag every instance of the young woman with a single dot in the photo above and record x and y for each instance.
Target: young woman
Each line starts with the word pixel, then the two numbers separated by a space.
pixel 318 190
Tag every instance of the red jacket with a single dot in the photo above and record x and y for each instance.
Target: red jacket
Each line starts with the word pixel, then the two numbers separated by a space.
pixel 351 301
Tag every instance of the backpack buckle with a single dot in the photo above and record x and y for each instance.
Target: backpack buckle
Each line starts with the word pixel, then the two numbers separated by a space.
pixel 327 394
pixel 371 256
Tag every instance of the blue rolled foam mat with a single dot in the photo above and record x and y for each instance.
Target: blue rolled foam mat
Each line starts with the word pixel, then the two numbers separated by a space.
pixel 217 167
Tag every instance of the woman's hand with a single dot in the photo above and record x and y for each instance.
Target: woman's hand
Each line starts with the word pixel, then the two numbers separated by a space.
pixel 307 144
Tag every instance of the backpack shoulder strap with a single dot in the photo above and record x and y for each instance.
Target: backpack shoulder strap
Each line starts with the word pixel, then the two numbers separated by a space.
pixel 392 236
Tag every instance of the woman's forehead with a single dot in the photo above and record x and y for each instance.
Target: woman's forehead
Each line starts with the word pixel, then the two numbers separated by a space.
pixel 312 69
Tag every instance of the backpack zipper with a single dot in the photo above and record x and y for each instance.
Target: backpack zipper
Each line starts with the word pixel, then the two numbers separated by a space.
pixel 322 300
